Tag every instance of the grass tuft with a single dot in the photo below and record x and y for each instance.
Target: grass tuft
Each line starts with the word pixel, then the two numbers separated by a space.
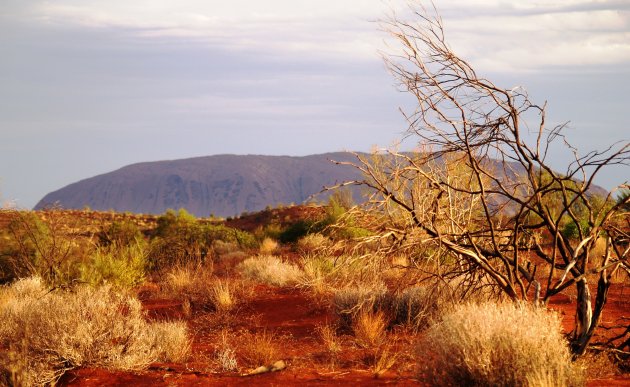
pixel 370 328
pixel 271 270
pixel 50 332
pixel 497 344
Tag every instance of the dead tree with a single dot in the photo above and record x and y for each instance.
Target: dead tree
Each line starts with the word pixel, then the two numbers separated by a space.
pixel 481 189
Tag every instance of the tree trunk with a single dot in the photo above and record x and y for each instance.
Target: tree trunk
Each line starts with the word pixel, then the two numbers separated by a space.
pixel 580 342
pixel 583 319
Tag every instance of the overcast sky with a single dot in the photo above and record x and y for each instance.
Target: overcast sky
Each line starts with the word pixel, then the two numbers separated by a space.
pixel 88 86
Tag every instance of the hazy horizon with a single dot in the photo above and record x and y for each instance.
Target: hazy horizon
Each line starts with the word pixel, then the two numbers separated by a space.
pixel 89 86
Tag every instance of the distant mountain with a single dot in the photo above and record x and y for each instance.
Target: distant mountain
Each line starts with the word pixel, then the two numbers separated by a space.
pixel 223 185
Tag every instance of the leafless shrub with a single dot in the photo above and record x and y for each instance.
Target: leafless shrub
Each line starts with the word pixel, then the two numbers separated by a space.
pixel 478 196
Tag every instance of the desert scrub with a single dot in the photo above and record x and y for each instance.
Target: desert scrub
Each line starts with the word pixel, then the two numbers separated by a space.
pixel 222 295
pixel 189 281
pixel 180 239
pixel 348 303
pixel 260 348
pixel 268 246
pixel 497 344
pixel 312 242
pixel 121 265
pixel 269 269
pixel 51 332
pixel 370 328
pixel 41 244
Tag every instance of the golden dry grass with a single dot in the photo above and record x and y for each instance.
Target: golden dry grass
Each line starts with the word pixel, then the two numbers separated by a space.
pixel 369 328
pixel 497 344
pixel 271 270
pixel 268 246
pixel 50 332
pixel 222 295
pixel 259 349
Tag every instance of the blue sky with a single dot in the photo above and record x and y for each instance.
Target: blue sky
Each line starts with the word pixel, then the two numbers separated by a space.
pixel 90 86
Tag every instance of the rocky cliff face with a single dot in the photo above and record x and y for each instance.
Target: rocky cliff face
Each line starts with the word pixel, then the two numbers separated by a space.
pixel 223 185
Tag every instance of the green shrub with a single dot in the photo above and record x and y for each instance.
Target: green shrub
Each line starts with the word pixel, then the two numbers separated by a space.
pixel 121 233
pixel 497 344
pixel 180 239
pixel 47 249
pixel 118 265
pixel 295 231
pixel 570 230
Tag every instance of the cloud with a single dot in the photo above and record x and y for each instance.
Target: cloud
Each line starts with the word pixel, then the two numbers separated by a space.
pixel 538 36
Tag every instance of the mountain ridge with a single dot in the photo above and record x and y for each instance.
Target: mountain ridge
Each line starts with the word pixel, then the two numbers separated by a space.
pixel 223 185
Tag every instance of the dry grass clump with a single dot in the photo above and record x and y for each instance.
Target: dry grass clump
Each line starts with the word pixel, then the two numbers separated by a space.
pixel 259 349
pixel 324 276
pixel 415 307
pixel 349 302
pixel 370 328
pixel 187 279
pixel 268 246
pixel 269 269
pixel 222 294
pixel 497 344
pixel 196 284
pixel 50 332
pixel 330 339
pixel 225 354
pixel 172 340
pixel 312 242
pixel 384 359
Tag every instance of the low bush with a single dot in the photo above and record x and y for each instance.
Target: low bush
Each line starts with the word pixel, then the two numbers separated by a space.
pixel 295 231
pixel 121 233
pixel 497 344
pixel 268 246
pixel 271 270
pixel 119 265
pixel 191 282
pixel 51 332
pixel 312 242
pixel 180 239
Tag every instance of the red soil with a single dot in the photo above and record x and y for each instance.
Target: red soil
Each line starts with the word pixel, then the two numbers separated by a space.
pixel 293 318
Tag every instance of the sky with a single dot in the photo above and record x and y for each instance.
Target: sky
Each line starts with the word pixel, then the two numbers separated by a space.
pixel 89 86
